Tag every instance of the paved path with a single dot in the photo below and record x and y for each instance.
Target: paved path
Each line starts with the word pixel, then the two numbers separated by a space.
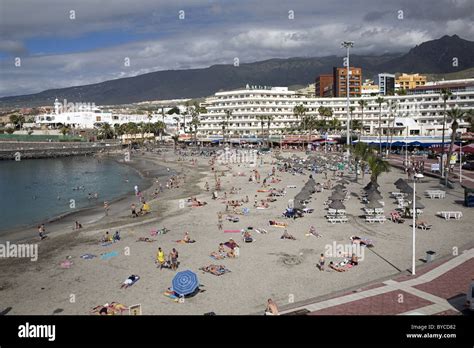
pixel 466 174
pixel 438 290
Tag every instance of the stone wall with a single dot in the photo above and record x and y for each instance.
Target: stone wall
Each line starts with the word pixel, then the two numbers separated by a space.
pixel 10 150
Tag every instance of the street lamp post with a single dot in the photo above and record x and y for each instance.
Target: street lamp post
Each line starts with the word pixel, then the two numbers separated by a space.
pixel 416 176
pixel 348 45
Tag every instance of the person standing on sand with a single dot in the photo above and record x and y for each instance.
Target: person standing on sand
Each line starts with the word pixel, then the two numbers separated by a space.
pixel 174 259
pixel 106 208
pixel 321 262
pixel 219 221
pixel 41 232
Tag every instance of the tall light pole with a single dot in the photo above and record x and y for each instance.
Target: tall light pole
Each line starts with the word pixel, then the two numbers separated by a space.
pixel 348 45
pixel 415 177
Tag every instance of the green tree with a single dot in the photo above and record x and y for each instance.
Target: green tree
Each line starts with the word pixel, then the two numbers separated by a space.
pixel 17 120
pixel 380 101
pixel 455 116
pixel 65 130
pixel 361 153
pixel 299 111
pixel 269 121
pixel 377 166
pixel 362 104
pixel 445 94
pixel 106 131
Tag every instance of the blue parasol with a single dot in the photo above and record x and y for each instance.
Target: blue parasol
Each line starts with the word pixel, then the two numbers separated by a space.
pixel 185 282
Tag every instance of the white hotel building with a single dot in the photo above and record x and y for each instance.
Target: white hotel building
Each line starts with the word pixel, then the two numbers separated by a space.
pixel 419 115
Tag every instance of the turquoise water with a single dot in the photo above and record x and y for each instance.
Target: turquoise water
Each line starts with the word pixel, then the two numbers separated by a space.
pixel 33 191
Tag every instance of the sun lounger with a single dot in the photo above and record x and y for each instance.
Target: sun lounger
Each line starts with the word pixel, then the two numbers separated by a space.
pixel 372 219
pixel 337 219
pixel 450 214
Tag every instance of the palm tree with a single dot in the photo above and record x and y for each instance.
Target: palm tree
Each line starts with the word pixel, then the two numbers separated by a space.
pixel 106 131
pixel 455 115
pixel 194 125
pixel 356 125
pixel 363 104
pixel 445 94
pixel 377 166
pixel 225 124
pixel 334 124
pixel 393 107
pixel 196 112
pixel 380 101
pixel 299 111
pixel 269 121
pixel 262 119
pixel 65 130
pixel 361 153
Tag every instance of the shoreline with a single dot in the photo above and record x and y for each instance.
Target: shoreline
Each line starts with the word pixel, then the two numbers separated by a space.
pixel 95 212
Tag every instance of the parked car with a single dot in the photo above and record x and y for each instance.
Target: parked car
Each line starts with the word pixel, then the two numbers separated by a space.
pixel 468 166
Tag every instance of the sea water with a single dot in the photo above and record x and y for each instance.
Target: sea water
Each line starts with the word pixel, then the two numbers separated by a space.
pixel 33 191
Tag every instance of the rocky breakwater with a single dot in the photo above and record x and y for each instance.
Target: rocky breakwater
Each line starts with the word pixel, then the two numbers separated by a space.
pixel 31 150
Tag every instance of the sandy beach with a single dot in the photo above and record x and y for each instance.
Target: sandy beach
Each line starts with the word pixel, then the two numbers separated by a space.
pixel 269 267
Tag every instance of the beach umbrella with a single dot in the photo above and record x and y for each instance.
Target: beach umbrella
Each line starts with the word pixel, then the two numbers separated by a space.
pixel 406 189
pixel 336 204
pixel 339 187
pixel 419 205
pixel 372 189
pixel 374 195
pixel 337 196
pixel 410 197
pixel 185 282
pixel 374 204
pixel 400 182
pixel 370 184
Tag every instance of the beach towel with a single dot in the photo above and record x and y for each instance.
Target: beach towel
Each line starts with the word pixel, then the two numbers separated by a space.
pixel 232 231
pixel 171 294
pixel 88 256
pixel 107 256
pixel 220 257
pixel 260 230
pixel 106 243
pixel 278 224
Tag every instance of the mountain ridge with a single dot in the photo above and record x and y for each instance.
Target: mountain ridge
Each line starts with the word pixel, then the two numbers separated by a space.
pixel 434 57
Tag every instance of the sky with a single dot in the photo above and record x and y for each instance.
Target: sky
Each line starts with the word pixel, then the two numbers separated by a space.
pixel 46 44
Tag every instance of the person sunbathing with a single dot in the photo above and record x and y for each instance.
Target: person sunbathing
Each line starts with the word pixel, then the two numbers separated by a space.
pixel 286 235
pixel 215 269
pixel 336 268
pixel 145 239
pixel 217 255
pixel 129 281
pixel 247 237
pixel 422 224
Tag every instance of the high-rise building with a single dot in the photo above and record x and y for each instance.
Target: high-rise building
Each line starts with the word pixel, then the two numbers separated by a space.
pixel 340 82
pixel 324 85
pixel 387 84
pixel 410 81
